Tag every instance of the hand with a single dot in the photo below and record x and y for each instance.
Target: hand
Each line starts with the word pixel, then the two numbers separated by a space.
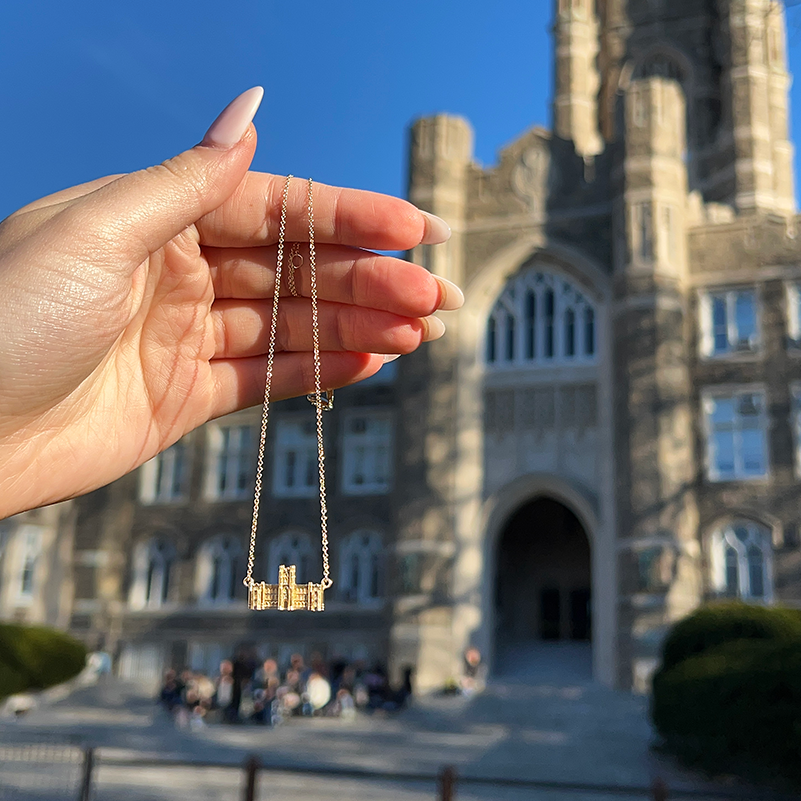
pixel 136 308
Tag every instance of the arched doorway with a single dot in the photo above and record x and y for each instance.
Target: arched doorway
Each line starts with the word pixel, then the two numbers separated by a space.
pixel 543 609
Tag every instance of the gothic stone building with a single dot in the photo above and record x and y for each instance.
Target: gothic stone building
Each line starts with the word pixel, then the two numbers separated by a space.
pixel 608 435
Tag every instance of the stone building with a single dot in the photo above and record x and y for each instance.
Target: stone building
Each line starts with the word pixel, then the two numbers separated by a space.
pixel 608 435
pixel 614 414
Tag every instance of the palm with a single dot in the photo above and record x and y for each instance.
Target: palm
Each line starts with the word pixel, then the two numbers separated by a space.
pixel 113 350
pixel 168 346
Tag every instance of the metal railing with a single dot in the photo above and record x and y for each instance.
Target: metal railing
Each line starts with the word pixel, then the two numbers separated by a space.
pixel 54 771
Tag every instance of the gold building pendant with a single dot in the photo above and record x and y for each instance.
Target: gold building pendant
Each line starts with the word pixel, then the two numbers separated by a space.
pixel 286 594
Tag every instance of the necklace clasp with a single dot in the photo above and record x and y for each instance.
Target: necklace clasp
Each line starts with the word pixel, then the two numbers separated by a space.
pixel 326 400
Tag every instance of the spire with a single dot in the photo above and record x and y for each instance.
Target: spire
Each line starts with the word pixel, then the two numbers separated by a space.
pixel 756 82
pixel 575 105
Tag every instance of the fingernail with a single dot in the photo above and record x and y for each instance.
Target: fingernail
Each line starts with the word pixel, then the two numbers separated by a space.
pixel 231 125
pixel 390 357
pixel 437 230
pixel 435 328
pixel 451 297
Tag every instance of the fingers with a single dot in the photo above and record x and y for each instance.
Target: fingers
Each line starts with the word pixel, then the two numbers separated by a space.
pixel 344 275
pixel 242 328
pixel 251 216
pixel 239 383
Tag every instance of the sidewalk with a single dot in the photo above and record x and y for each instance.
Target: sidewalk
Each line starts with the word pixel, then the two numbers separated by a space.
pixel 573 733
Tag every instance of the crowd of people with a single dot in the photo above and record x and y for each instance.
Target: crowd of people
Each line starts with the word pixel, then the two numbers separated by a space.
pixel 246 691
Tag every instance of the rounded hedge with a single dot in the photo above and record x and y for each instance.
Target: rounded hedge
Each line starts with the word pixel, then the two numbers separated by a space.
pixel 713 625
pixel 36 657
pixel 734 707
pixel 11 681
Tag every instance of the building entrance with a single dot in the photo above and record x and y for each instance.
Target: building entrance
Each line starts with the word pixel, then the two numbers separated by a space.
pixel 542 584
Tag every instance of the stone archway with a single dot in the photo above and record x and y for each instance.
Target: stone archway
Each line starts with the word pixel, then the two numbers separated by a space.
pixel 543 599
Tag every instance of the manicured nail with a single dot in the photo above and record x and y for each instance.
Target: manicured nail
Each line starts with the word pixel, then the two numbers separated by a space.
pixel 437 230
pixel 390 357
pixel 451 297
pixel 231 125
pixel 435 328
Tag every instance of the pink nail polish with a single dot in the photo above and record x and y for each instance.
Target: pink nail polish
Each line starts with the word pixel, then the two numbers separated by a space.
pixel 232 123
pixel 451 297
pixel 437 230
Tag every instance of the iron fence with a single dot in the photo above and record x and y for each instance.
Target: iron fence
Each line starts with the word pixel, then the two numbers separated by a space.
pixel 48 770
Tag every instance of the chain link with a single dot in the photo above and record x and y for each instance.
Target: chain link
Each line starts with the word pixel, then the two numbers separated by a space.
pixel 316 399
pixel 294 262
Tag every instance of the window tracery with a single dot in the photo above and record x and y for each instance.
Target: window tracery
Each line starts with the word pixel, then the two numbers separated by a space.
pixel 540 319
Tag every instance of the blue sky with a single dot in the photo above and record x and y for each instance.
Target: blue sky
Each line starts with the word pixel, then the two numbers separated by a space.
pixel 90 88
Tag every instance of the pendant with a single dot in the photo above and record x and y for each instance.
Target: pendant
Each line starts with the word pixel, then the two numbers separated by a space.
pixel 286 595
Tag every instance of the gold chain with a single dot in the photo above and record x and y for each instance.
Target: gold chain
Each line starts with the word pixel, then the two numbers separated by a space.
pixel 322 401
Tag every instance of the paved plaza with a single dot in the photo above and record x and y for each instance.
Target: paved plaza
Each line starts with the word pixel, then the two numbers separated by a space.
pixel 541 729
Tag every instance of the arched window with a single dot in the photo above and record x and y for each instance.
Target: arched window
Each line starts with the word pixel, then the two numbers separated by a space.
pixel 151 574
pixel 360 567
pixel 292 548
pixel 539 320
pixel 741 561
pixel 218 571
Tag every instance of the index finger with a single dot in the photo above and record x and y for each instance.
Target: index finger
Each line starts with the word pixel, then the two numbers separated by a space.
pixel 355 217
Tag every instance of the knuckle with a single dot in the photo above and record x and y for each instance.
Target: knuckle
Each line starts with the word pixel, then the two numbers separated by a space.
pixel 181 178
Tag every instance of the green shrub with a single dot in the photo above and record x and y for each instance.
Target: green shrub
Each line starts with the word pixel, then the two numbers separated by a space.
pixel 38 657
pixel 713 625
pixel 10 681
pixel 734 707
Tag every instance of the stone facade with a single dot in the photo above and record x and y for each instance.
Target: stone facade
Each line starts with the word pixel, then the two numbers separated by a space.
pixel 607 436
pixel 663 194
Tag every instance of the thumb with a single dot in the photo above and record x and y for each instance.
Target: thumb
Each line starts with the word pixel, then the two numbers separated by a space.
pixel 148 208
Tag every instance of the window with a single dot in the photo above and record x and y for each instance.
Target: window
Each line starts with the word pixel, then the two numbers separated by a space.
pixel 643 230
pixel 30 549
pixel 367 453
pixel 639 106
pixel 736 436
pixel 669 233
pixel 165 477
pixel 730 322
pixel 151 574
pixel 796 422
pixel 741 561
pixel 794 315
pixel 232 461
pixel 295 471
pixel 360 566
pixel 410 569
pixel 142 662
pixel 540 320
pixel 292 549
pixel 205 657
pixel 218 571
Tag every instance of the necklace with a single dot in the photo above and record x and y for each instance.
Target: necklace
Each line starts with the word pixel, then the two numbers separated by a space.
pixel 288 595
